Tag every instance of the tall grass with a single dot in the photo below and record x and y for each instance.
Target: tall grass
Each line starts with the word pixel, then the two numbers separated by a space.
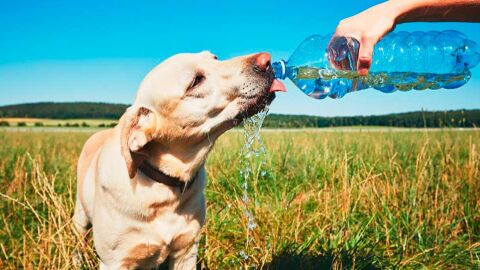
pixel 355 200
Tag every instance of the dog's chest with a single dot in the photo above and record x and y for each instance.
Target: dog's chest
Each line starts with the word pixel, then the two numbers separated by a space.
pixel 164 229
pixel 154 241
pixel 140 226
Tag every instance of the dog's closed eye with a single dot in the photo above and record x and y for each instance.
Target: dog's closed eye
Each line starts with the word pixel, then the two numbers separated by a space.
pixel 199 78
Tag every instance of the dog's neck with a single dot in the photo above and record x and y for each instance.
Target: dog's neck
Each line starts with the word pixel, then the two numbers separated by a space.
pixel 178 162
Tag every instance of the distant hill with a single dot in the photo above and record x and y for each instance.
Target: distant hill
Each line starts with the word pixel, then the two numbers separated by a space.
pixel 89 110
pixel 64 110
pixel 457 118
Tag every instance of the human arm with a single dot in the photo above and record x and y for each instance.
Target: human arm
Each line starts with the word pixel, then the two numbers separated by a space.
pixel 369 26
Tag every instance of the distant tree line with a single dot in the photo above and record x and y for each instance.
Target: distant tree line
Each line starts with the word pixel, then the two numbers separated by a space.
pixel 418 119
pixel 89 110
pixel 64 110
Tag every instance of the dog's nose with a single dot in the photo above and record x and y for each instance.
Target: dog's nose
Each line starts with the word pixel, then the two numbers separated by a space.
pixel 262 61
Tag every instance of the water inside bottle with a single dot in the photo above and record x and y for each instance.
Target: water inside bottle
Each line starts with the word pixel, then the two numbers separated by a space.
pixel 252 166
pixel 321 82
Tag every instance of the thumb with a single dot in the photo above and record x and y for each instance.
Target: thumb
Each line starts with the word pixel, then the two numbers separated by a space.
pixel 365 56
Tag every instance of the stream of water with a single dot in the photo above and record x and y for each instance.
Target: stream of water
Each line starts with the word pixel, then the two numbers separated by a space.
pixel 252 166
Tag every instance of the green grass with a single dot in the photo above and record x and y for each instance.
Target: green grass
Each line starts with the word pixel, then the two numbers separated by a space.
pixel 341 200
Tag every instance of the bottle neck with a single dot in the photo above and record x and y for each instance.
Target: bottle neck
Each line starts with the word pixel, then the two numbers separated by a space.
pixel 280 69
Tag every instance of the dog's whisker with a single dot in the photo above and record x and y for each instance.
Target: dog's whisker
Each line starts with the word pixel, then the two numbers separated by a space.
pixel 209 140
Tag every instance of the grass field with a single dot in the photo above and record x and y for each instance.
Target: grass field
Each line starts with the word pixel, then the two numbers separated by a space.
pixel 341 200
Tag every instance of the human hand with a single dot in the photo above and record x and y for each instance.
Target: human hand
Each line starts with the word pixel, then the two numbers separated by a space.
pixel 368 28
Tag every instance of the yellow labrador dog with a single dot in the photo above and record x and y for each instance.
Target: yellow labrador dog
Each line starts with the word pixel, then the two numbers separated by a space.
pixel 141 184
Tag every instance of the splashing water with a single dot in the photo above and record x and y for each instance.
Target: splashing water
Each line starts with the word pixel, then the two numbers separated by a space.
pixel 253 156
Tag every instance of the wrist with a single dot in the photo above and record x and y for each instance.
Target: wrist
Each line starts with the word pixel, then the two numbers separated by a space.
pixel 406 10
pixel 394 9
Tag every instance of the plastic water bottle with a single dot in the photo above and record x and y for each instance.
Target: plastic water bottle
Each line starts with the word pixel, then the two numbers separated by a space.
pixel 401 61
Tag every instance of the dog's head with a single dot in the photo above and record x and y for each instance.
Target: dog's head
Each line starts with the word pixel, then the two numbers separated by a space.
pixel 186 102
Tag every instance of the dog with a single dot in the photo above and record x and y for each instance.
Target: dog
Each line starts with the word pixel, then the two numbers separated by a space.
pixel 141 184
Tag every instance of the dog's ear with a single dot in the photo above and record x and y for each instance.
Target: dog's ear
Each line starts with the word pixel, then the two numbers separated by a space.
pixel 137 129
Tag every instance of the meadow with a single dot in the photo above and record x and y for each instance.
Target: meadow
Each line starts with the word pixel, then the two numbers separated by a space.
pixel 362 199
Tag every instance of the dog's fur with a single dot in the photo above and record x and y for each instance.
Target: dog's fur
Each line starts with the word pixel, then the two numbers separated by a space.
pixel 181 108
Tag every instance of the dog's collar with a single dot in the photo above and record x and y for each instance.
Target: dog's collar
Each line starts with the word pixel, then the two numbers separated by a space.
pixel 162 178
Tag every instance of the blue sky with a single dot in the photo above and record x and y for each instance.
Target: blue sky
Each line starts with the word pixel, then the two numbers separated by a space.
pixel 100 50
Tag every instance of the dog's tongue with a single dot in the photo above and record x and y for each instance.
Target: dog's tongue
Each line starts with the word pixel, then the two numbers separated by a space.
pixel 277 86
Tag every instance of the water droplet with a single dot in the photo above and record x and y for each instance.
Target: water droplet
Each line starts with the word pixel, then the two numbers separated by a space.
pixel 243 255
